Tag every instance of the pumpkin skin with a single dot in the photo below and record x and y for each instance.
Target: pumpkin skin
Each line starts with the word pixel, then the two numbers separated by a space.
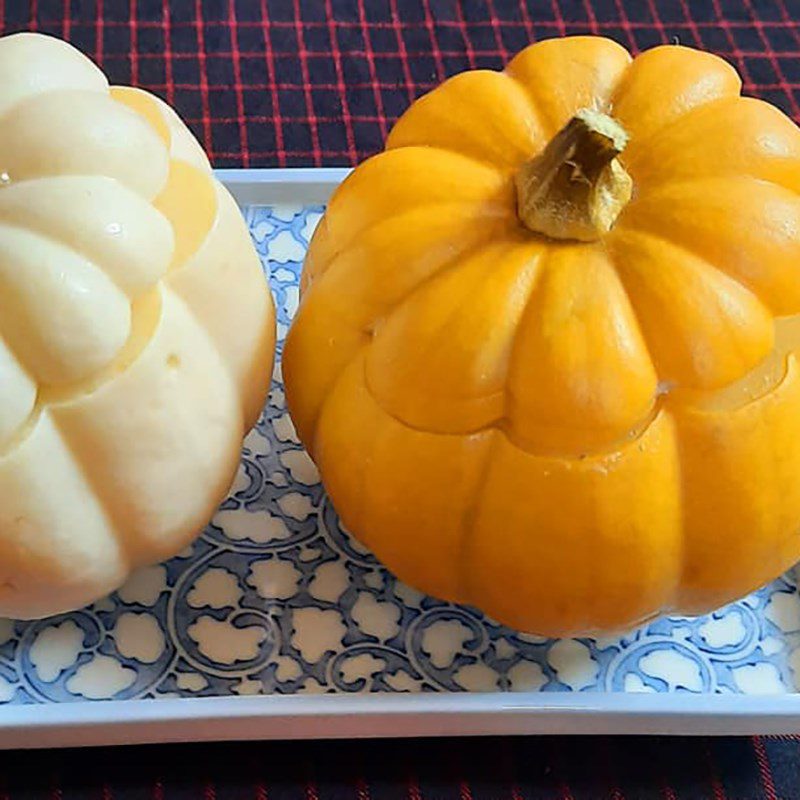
pixel 573 436
pixel 136 331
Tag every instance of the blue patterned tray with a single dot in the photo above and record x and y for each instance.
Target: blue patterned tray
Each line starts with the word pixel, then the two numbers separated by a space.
pixel 275 597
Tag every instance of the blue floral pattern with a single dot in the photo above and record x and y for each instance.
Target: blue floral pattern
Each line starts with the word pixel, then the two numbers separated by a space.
pixel 275 596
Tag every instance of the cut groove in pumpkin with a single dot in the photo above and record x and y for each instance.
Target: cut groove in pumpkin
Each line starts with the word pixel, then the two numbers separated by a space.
pixel 145 316
pixel 766 378
pixel 143 104
pixel 190 222
pixel 445 326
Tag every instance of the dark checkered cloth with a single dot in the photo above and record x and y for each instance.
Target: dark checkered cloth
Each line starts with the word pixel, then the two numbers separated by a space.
pixel 532 768
pixel 319 82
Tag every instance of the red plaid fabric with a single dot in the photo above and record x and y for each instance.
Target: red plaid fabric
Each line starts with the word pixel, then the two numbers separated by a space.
pixel 534 768
pixel 319 82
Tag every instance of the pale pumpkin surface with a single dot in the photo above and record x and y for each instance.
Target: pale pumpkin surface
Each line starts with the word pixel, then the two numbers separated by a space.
pixel 573 436
pixel 136 331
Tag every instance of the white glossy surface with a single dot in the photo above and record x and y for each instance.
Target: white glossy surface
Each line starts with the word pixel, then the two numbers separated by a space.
pixel 119 305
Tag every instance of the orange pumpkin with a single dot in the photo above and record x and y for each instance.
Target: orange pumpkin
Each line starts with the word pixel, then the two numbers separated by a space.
pixel 546 355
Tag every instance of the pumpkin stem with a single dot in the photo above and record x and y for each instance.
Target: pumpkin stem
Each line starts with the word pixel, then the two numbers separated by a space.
pixel 575 188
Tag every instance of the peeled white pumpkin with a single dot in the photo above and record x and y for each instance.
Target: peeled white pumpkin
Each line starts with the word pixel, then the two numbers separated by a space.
pixel 136 331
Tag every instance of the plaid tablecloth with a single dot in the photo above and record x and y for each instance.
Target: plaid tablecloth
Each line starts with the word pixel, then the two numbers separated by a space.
pixel 530 768
pixel 319 82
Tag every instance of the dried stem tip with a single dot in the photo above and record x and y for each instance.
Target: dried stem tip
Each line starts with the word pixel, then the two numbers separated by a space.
pixel 576 188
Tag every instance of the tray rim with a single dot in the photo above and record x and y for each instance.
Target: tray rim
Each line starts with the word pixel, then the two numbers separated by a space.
pixel 332 716
pixel 328 716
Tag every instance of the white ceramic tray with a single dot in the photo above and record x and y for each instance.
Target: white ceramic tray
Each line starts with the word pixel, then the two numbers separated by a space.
pixel 275 623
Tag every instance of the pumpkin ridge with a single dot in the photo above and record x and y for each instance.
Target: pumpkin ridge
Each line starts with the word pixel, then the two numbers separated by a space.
pixel 183 145
pixel 60 270
pixel 702 435
pixel 503 421
pixel 638 148
pixel 472 155
pixel 532 105
pixel 30 226
pixel 522 279
pixel 503 426
pixel 689 238
pixel 93 472
pixel 686 79
pixel 546 125
pixel 411 178
pixel 469 524
pixel 504 224
pixel 637 430
pixel 145 319
pixel 565 69
pixel 708 268
pixel 18 395
pixel 114 524
pixel 183 279
pixel 23 430
pixel 643 230
pixel 579 361
pixel 423 123
pixel 699 403
pixel 143 328
pixel 740 135
pixel 189 238
pixel 18 564
pixel 14 107
pixel 141 102
pixel 134 343
pixel 369 329
pixel 80 113
pixel 42 52
pixel 338 376
pixel 100 219
pixel 533 108
pixel 493 212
